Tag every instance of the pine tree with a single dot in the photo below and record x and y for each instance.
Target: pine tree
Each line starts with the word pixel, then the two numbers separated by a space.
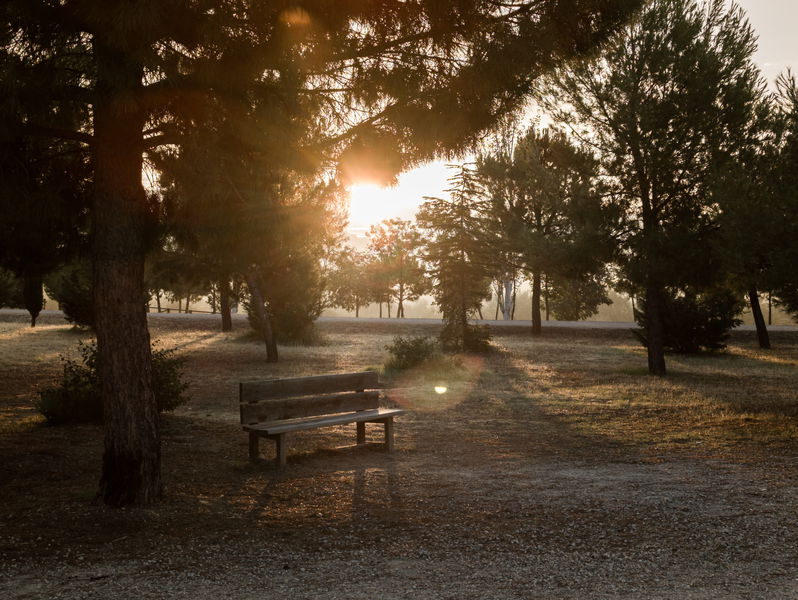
pixel 457 259
pixel 661 103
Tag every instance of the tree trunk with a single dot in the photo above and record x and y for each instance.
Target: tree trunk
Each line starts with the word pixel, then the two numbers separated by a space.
pixel 224 305
pixel 131 472
pixel 546 296
pixel 263 315
pixel 512 312
pixel 507 298
pixel 179 305
pixel 158 300
pixel 537 328
pixel 400 307
pixel 188 311
pixel 655 331
pixel 32 295
pixel 759 319
pixel 770 308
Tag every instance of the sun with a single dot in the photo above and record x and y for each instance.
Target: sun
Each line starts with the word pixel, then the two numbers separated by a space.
pixel 370 203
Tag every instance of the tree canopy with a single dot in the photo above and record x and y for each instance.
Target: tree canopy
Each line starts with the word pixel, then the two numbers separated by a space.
pixel 320 80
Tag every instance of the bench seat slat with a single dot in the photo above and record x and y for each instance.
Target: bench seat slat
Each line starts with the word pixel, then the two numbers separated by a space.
pixel 276 409
pixel 288 425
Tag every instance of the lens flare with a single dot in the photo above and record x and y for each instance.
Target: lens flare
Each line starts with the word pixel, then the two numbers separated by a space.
pixel 440 389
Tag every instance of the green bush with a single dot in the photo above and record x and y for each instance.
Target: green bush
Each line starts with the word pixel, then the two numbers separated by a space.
pixel 10 290
pixel 71 287
pixel 471 338
pixel 409 352
pixel 694 322
pixel 77 398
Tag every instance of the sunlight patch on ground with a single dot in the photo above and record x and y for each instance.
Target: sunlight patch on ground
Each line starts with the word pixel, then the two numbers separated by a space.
pixel 438 388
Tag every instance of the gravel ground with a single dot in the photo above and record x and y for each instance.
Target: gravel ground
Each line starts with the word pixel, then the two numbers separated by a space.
pixel 418 528
pixel 473 505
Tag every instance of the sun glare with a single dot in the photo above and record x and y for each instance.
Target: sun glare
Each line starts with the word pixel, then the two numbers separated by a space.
pixel 370 203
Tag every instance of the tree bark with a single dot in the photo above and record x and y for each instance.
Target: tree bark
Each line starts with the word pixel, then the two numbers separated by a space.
pixel 131 471
pixel 507 298
pixel 655 331
pixel 224 305
pixel 770 308
pixel 263 315
pixel 537 328
pixel 32 295
pixel 515 293
pixel 759 319
pixel 546 296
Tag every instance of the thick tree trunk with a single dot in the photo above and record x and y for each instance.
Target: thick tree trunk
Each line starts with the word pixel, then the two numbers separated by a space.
pixel 655 332
pixel 224 305
pixel 759 319
pixel 266 326
pixel 537 328
pixel 131 472
pixel 32 295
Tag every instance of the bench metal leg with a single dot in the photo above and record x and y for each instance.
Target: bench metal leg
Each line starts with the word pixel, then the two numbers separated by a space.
pixel 361 433
pixel 282 449
pixel 389 434
pixel 253 446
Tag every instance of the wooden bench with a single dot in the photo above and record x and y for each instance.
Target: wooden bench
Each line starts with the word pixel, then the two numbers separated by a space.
pixel 276 407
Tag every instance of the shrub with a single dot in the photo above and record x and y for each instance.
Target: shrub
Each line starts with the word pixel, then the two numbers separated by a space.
pixel 71 287
pixel 10 290
pixel 77 398
pixel 694 322
pixel 409 352
pixel 471 338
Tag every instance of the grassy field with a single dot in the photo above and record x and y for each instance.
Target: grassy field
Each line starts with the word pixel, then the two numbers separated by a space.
pixel 560 446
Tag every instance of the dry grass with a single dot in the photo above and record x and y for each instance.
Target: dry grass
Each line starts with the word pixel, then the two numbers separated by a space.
pixel 592 383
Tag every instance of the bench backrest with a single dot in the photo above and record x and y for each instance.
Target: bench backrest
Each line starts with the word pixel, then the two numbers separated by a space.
pixel 277 399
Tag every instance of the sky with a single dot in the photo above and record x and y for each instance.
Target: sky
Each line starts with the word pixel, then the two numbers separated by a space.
pixel 775 22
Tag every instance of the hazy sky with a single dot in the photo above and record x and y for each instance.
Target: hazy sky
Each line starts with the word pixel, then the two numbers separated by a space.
pixel 775 21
